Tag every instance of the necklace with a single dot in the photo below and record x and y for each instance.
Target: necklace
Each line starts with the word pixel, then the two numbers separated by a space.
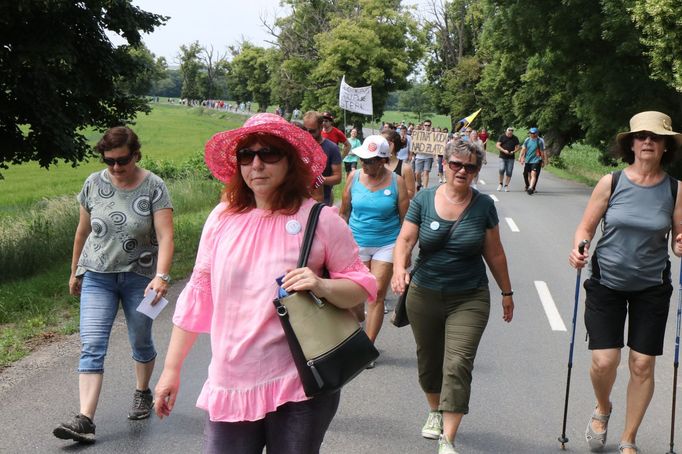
pixel 452 201
pixel 379 182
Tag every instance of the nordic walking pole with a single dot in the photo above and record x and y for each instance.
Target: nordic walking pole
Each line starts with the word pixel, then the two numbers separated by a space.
pixel 675 364
pixel 562 439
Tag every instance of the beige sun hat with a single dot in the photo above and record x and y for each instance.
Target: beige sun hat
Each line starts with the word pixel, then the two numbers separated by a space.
pixel 652 121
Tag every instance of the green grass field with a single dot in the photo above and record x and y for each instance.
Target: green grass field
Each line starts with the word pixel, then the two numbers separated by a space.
pixel 169 132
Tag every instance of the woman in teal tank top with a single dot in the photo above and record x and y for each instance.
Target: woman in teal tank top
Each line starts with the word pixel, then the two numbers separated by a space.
pixel 374 203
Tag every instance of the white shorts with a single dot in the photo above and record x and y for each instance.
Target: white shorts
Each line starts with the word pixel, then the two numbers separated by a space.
pixel 383 253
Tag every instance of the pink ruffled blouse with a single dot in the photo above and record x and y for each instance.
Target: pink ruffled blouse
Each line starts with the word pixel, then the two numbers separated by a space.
pixel 230 296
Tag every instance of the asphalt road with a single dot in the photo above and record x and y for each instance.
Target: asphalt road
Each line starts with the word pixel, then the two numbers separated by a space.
pixel 519 378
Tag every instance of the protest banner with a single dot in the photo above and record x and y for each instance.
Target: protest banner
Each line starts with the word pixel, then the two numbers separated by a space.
pixel 357 100
pixel 429 142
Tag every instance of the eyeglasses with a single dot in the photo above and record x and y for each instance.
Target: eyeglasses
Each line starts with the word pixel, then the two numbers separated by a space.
pixel 370 161
pixel 246 156
pixel 456 166
pixel 647 135
pixel 111 162
pixel 427 125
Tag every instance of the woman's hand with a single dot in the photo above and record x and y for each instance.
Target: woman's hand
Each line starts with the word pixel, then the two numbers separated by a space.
pixel 400 280
pixel 166 392
pixel 301 279
pixel 579 260
pixel 75 285
pixel 507 308
pixel 159 286
pixel 677 248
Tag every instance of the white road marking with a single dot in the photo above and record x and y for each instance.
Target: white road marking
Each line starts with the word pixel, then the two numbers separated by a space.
pixel 512 225
pixel 481 181
pixel 495 199
pixel 551 311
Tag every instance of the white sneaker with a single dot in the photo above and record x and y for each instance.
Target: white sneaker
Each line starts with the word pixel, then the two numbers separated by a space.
pixel 445 447
pixel 506 189
pixel 499 187
pixel 433 428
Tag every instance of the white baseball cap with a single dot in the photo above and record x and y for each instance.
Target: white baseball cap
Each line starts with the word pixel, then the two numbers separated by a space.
pixel 373 147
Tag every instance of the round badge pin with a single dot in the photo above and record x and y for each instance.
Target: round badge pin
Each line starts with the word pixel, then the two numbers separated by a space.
pixel 387 192
pixel 293 227
pixel 435 225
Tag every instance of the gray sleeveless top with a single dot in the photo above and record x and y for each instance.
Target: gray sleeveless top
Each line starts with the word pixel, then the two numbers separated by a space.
pixel 632 254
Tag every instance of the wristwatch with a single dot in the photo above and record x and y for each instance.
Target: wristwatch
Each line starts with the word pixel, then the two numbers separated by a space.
pixel 509 293
pixel 164 277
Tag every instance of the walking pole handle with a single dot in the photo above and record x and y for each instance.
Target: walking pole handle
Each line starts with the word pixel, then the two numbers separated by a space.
pixel 581 246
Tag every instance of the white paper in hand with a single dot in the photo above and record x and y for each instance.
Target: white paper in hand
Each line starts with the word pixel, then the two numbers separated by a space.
pixel 146 305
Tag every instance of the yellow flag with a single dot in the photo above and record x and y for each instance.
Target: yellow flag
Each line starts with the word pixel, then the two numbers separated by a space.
pixel 466 120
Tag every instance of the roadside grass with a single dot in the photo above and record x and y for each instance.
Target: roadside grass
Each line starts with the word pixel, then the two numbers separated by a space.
pixel 580 163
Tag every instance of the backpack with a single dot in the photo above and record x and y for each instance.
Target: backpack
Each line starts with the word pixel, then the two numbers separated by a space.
pixel 539 149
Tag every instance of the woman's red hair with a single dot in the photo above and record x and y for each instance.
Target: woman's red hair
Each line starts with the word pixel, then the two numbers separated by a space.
pixel 288 197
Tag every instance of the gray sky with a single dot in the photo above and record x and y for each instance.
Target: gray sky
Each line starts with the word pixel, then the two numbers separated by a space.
pixel 217 22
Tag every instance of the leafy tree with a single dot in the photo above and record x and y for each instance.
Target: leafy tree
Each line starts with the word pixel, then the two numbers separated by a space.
pixel 59 73
pixel 169 86
pixel 214 65
pixel 190 67
pixel 577 71
pixel 460 97
pixel 248 74
pixel 150 70
pixel 660 24
pixel 416 99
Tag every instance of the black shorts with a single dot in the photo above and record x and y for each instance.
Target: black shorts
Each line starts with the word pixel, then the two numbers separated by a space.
pixel 647 311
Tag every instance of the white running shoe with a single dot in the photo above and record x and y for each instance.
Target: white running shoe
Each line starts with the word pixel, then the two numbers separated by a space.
pixel 445 447
pixel 506 189
pixel 499 187
pixel 433 428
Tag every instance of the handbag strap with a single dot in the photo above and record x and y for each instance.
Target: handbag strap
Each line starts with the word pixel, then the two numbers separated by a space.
pixel 309 234
pixel 428 254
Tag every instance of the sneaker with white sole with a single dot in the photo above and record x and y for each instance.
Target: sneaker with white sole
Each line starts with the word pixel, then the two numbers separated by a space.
pixel 433 428
pixel 499 187
pixel 506 188
pixel 80 429
pixel 445 447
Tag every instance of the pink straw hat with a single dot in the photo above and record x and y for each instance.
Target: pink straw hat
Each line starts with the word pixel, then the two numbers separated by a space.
pixel 221 149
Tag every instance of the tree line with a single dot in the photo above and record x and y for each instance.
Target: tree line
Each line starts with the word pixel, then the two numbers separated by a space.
pixel 577 69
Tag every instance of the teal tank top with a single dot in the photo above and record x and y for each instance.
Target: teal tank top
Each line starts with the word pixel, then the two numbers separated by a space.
pixel 374 218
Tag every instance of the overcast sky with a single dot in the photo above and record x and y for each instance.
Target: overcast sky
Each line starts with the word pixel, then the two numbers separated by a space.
pixel 217 22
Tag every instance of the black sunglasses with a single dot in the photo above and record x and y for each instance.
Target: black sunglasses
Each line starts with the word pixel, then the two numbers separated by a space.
pixel 456 166
pixel 644 135
pixel 245 156
pixel 120 161
pixel 371 161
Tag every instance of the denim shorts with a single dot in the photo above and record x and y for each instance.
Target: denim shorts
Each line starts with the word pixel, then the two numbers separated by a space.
pixel 100 296
pixel 506 166
pixel 423 165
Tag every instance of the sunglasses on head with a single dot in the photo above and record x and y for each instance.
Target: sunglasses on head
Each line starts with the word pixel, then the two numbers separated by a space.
pixel 245 156
pixel 644 135
pixel 111 162
pixel 456 166
pixel 371 161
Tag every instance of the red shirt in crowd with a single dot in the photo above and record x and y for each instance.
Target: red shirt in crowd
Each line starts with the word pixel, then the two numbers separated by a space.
pixel 335 135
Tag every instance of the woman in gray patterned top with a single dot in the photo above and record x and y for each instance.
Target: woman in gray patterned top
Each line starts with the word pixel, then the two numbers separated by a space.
pixel 630 270
pixel 122 250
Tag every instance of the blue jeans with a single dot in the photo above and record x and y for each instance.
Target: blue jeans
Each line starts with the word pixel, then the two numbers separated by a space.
pixel 294 428
pixel 100 295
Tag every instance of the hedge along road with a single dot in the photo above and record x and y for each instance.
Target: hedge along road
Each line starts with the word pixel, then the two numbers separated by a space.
pixel 519 378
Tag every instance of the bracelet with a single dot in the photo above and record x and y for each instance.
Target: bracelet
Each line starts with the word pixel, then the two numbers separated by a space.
pixel 509 293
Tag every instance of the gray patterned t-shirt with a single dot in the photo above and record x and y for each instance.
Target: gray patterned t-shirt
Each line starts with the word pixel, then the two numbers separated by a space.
pixel 123 238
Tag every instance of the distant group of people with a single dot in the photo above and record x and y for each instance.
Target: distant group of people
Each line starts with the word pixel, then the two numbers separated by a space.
pixel 274 172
